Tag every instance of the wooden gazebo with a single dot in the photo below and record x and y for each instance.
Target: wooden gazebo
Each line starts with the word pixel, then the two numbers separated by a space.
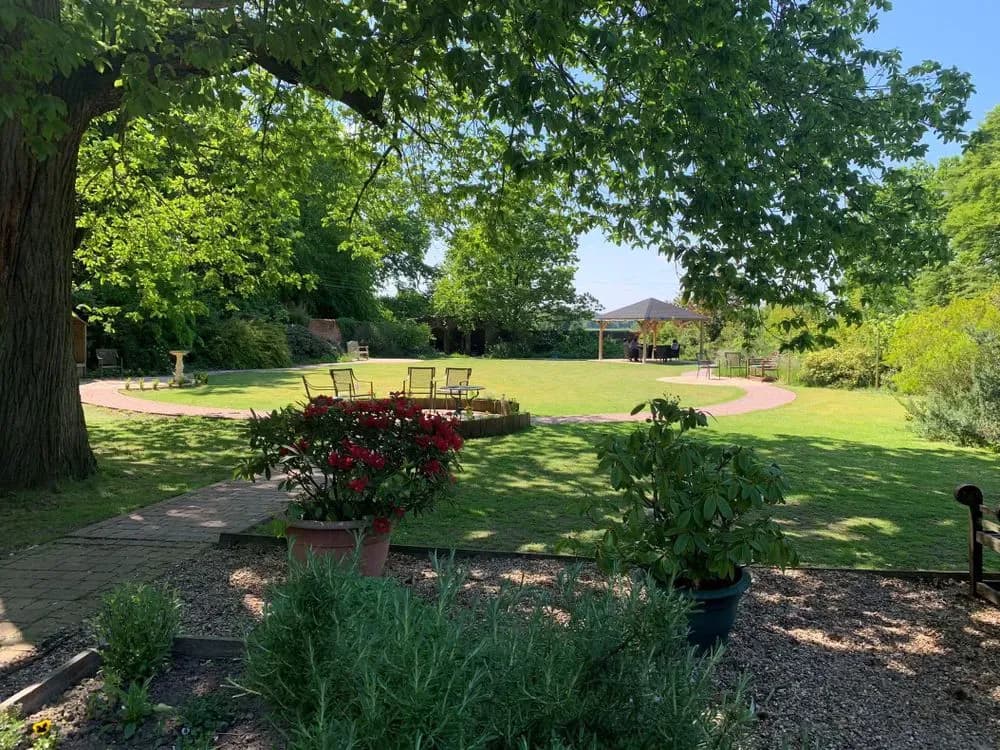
pixel 650 314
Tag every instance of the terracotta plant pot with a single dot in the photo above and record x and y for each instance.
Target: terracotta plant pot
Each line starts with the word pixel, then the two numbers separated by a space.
pixel 338 539
pixel 715 612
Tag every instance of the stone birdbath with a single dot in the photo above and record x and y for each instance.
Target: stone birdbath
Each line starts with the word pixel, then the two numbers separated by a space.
pixel 178 355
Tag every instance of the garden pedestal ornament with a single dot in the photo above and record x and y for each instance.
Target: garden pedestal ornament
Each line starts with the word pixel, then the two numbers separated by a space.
pixel 178 355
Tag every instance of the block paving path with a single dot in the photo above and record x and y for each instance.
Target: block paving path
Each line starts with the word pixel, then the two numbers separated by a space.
pixel 54 586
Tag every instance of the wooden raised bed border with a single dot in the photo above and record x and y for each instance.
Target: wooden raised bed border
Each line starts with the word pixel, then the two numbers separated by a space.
pixel 87 663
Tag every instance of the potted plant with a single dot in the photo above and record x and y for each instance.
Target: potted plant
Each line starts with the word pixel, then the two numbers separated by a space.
pixel 356 467
pixel 695 513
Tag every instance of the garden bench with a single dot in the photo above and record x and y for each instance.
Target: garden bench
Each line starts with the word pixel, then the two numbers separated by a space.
pixel 982 533
pixel 761 366
pixel 108 359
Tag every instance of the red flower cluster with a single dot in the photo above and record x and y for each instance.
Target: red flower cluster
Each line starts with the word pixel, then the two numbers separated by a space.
pixel 319 406
pixel 432 468
pixel 358 484
pixel 375 460
pixel 381 526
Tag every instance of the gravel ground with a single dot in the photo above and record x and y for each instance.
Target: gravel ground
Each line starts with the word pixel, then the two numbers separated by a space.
pixel 845 660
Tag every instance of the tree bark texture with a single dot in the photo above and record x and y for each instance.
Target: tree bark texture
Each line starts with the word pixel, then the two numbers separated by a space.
pixel 43 435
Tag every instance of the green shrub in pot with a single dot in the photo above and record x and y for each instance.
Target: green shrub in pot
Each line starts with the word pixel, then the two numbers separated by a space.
pixel 695 511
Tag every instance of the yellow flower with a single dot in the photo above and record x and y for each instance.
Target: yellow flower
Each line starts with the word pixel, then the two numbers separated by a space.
pixel 41 728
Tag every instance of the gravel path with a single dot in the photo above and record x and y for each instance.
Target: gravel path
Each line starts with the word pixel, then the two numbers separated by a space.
pixel 855 660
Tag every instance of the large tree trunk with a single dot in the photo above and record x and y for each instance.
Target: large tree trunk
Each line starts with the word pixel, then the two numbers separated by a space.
pixel 43 435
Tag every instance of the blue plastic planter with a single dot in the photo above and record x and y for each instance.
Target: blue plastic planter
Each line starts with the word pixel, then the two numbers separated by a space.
pixel 715 612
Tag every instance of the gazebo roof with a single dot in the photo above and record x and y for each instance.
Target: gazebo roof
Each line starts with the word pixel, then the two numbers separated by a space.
pixel 652 309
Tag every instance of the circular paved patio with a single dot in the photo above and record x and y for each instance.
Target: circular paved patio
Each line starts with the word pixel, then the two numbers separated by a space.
pixel 758 396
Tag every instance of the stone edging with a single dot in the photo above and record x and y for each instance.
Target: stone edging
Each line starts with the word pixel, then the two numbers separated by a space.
pixel 87 663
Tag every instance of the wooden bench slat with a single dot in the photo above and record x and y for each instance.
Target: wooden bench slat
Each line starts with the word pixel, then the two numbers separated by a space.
pixel 989 539
pixel 989 592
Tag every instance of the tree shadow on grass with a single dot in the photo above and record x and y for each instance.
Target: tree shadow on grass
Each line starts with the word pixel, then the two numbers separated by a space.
pixel 141 460
pixel 850 504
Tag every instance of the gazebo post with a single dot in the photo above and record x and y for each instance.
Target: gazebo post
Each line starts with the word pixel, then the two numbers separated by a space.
pixel 655 326
pixel 701 339
pixel 601 325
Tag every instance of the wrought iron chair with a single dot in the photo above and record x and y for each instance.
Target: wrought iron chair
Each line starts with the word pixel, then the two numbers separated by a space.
pixel 108 359
pixel 420 382
pixel 707 366
pixel 733 362
pixel 314 389
pixel 346 384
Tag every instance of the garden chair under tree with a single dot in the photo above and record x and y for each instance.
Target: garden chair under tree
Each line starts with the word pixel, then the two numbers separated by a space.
pixel 346 384
pixel 420 382
pixel 108 360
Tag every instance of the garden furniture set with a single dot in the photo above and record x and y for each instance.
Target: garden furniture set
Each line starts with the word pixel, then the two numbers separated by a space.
pixel 420 382
pixel 733 363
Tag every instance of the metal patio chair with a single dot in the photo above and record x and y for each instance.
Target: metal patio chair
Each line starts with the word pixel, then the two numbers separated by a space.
pixel 346 384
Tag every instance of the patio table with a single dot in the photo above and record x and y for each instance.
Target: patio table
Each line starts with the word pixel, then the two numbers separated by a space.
pixel 459 392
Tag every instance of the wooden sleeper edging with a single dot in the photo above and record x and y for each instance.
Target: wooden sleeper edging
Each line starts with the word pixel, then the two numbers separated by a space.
pixel 87 663
pixel 55 683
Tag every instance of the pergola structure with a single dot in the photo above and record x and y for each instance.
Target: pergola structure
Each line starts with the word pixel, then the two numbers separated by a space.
pixel 650 314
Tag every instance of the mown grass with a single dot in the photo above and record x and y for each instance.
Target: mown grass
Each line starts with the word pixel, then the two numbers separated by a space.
pixel 866 491
pixel 141 459
pixel 543 387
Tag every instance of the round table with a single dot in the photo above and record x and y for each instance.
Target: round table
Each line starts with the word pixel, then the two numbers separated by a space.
pixel 458 392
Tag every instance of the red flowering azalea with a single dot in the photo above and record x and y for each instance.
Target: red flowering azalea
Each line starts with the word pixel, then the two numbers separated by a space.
pixel 354 460
pixel 381 526
pixel 358 484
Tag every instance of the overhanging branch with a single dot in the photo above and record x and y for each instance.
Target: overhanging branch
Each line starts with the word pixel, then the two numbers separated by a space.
pixel 366 105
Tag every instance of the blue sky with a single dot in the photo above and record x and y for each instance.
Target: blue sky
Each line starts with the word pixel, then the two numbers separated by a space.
pixel 960 33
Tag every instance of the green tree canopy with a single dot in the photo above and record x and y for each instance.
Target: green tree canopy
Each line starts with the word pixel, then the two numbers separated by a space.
pixel 510 270
pixel 744 138
pixel 971 188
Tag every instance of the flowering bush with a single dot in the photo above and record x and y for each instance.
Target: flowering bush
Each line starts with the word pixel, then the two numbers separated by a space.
pixel 356 460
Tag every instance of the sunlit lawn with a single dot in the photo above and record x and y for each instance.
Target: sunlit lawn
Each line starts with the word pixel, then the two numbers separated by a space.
pixel 866 492
pixel 543 387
